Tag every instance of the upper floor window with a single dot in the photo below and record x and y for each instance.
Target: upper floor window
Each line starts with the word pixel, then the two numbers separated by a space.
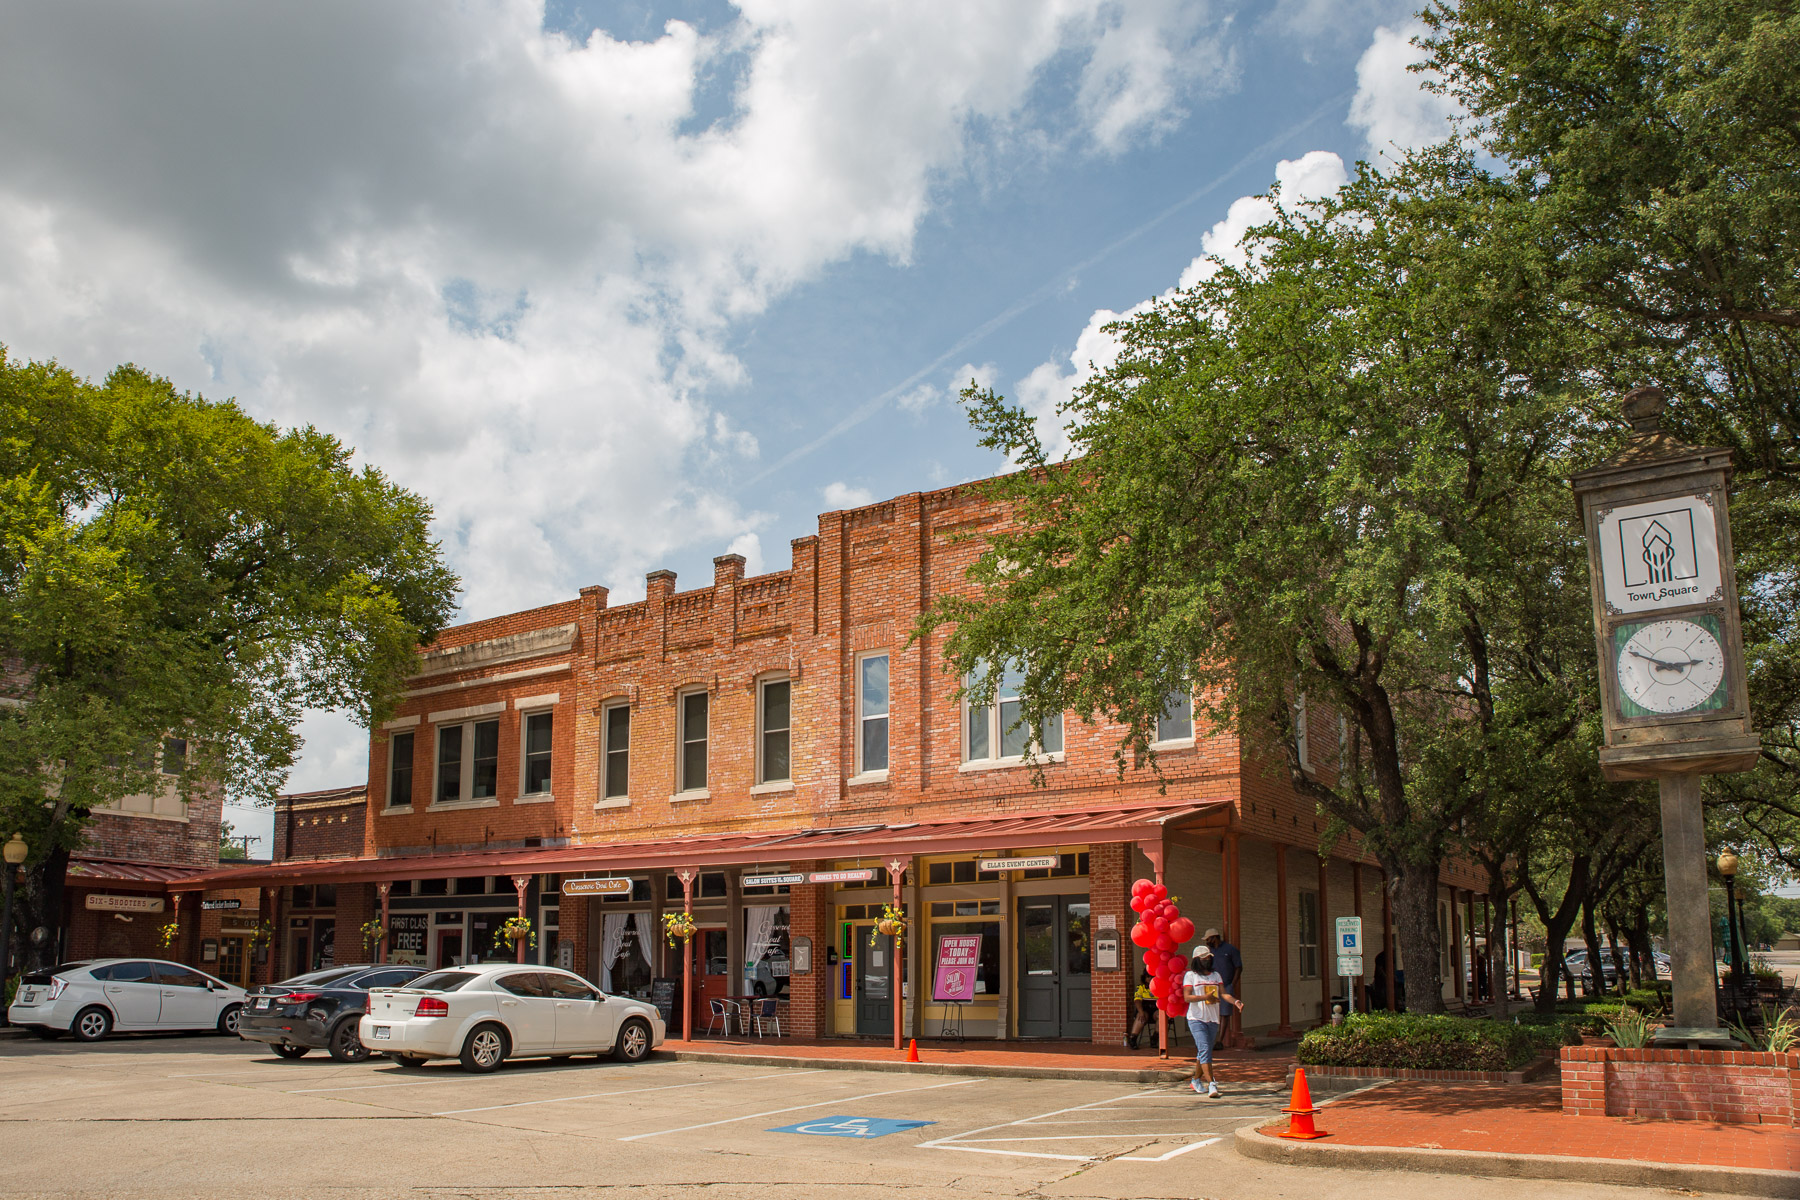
pixel 773 719
pixel 1177 721
pixel 872 713
pixel 535 753
pixel 468 761
pixel 174 756
pixel 1300 732
pixel 400 770
pixel 693 741
pixel 998 731
pixel 615 728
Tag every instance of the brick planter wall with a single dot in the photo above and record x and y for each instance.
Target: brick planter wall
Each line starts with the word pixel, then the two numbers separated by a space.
pixel 1734 1086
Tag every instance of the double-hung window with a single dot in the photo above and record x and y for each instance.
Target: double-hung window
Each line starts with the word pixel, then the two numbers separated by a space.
pixel 998 731
pixel 1177 721
pixel 871 713
pixel 692 767
pixel 615 727
pixel 400 770
pixel 535 753
pixel 774 720
pixel 468 765
pixel 1308 930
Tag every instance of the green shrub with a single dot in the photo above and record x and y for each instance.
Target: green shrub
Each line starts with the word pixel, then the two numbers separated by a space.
pixel 1551 1031
pixel 1593 1015
pixel 1417 1042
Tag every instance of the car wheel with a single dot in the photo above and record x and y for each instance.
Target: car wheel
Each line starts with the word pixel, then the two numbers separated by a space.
pixel 485 1049
pixel 346 1044
pixel 634 1041
pixel 408 1062
pixel 230 1019
pixel 287 1051
pixel 91 1024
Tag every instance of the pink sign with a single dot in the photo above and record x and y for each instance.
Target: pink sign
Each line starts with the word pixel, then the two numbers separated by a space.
pixel 958 966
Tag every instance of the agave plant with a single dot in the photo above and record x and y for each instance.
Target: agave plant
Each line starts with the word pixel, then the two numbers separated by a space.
pixel 1780 1031
pixel 1630 1030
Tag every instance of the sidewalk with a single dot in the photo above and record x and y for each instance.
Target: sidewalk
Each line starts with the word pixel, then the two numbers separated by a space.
pixel 1019 1060
pixel 1520 1130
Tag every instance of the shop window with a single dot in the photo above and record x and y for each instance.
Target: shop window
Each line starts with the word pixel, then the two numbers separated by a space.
pixel 939 873
pixel 617 732
pixel 987 977
pixel 859 912
pixel 401 887
pixel 325 895
pixel 471 885
pixel 773 718
pixel 549 924
pixel 1067 866
pixel 468 762
pixel 766 949
pixel 872 713
pixel 301 895
pixel 400 770
pixel 709 886
pixel 1307 935
pixel 536 754
pixel 640 893
pixel 1177 721
pixel 965 908
pixel 692 767
pixel 996 732
pixel 432 887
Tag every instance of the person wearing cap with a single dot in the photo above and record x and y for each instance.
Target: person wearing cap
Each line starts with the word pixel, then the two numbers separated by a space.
pixel 1206 998
pixel 1230 966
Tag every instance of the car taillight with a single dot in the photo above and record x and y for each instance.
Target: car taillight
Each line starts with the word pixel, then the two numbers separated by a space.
pixel 300 997
pixel 58 986
pixel 431 1006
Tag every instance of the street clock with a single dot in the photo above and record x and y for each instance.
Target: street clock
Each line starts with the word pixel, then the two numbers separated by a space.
pixel 1665 605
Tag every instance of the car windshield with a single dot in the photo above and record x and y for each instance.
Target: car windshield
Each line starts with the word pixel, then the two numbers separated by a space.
pixel 318 978
pixel 442 981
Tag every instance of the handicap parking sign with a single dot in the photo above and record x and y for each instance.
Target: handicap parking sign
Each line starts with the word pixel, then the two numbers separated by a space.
pixel 851 1127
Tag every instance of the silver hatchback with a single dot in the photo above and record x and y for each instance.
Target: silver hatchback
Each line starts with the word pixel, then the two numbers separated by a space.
pixel 126 995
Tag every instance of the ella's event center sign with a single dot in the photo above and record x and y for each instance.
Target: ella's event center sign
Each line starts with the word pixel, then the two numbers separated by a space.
pixel 958 967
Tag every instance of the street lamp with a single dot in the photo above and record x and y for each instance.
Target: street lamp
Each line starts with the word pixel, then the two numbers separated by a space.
pixel 14 852
pixel 1728 865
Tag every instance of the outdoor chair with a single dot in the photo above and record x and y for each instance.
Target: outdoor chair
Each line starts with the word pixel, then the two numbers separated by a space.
pixel 722 1013
pixel 767 1013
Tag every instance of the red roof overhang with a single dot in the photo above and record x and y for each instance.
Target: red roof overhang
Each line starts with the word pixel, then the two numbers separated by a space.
pixel 1126 823
pixel 125 876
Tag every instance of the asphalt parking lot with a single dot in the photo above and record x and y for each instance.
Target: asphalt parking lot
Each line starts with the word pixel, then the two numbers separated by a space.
pixel 207 1116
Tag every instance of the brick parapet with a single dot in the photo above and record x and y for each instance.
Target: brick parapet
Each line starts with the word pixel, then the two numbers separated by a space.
pixel 1728 1086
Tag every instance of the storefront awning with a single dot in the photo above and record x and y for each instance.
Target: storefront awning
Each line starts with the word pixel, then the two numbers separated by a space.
pixel 125 876
pixel 1125 823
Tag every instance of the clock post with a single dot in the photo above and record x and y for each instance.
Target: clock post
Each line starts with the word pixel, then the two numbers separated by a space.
pixel 1672 682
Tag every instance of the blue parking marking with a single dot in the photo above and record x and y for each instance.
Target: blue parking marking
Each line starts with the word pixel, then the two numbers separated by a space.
pixel 851 1127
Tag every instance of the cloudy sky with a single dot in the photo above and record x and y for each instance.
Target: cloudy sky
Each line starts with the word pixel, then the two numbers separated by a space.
pixel 621 286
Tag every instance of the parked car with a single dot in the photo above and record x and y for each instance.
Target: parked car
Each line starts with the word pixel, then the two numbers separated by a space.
pixel 487 1013
pixel 125 995
pixel 319 1010
pixel 1575 967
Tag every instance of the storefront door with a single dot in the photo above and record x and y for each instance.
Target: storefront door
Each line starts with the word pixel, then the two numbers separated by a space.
pixel 1055 965
pixel 231 960
pixel 874 983
pixel 449 947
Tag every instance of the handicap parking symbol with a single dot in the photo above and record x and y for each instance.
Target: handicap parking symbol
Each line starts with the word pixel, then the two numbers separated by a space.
pixel 851 1127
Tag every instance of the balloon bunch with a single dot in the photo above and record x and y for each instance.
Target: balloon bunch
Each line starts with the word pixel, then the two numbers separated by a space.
pixel 1159 932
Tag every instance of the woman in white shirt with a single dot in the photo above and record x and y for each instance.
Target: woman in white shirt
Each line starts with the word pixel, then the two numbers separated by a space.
pixel 1204 991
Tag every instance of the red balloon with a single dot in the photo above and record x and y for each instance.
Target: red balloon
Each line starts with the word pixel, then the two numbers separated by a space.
pixel 1178 964
pixel 1158 892
pixel 1159 987
pixel 1140 887
pixel 1143 935
pixel 1153 959
pixel 1163 942
pixel 1181 929
pixel 1160 924
pixel 1137 904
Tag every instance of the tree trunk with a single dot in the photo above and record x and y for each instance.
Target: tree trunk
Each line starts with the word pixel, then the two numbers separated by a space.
pixel 39 904
pixel 1590 936
pixel 1498 948
pixel 1618 959
pixel 1642 952
pixel 1556 930
pixel 1415 889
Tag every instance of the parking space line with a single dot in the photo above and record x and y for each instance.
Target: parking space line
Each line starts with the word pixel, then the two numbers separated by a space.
pixel 360 1087
pixel 667 1087
pixel 963 1141
pixel 1083 1137
pixel 773 1112
pixel 1015 1153
pixel 1171 1154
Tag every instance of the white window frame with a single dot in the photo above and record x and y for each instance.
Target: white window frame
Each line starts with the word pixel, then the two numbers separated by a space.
pixel 682 789
pixel 763 783
pixel 995 732
pixel 387 800
pixel 525 715
pixel 623 799
pixel 163 804
pixel 879 774
pixel 466 769
pixel 1163 743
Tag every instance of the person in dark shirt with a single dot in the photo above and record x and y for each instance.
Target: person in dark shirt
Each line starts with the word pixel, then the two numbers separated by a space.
pixel 1230 967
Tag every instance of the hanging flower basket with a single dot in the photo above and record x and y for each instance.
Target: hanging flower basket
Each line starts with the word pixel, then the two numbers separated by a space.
pixel 265 933
pixel 514 929
pixel 678 926
pixel 168 933
pixel 373 931
pixel 891 923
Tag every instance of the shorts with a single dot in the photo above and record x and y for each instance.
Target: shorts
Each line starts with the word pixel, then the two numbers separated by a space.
pixel 1205 1034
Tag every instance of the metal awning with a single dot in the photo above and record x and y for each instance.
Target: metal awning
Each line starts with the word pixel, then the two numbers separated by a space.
pixel 1011 831
pixel 125 876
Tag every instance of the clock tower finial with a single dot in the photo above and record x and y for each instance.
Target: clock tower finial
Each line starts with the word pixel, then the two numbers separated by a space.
pixel 1644 408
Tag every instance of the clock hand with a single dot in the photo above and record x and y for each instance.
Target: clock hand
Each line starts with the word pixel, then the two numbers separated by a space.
pixel 1663 662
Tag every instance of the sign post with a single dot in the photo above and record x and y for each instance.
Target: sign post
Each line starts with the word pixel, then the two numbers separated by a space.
pixel 1349 957
pixel 1672 682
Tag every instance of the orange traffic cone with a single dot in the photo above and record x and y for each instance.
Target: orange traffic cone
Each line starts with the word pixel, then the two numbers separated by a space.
pixel 912 1051
pixel 1300 1111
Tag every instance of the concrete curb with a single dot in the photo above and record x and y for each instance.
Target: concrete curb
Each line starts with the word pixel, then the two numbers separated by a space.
pixel 1178 1069
pixel 1734 1181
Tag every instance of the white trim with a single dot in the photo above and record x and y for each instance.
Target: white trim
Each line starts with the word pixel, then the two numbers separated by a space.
pixel 762 687
pixel 450 715
pixel 606 711
pixel 996 764
pixel 401 722
pixel 769 789
pixel 147 816
pixel 612 802
pixel 696 794
pixel 504 677
pixel 534 798
pixel 856 713
pixel 681 743
pixel 867 777
pixel 1186 743
pixel 484 802
pixel 394 812
pixel 541 701
pixel 519 783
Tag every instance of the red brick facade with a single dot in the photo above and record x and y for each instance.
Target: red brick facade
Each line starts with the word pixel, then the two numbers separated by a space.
pixel 1733 1087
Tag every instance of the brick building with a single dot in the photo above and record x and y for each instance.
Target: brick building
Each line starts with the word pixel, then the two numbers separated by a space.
pixel 776 754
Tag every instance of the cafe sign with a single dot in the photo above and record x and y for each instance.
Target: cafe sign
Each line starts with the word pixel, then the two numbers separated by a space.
pixel 137 904
pixel 596 887
pixel 1040 862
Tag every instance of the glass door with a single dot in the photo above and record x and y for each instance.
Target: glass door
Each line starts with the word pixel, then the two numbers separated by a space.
pixel 874 982
pixel 1055 967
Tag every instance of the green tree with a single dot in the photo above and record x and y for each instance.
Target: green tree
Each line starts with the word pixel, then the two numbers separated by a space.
pixel 1327 476
pixel 171 568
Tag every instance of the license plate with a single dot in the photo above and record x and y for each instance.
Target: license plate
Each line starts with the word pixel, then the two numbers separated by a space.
pixel 382 1033
pixel 27 995
pixel 262 1002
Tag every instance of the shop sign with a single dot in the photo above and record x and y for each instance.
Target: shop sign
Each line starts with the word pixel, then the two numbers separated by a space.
pixel 958 967
pixel 138 904
pixel 220 905
pixel 1350 966
pixel 855 875
pixel 773 880
pixel 406 936
pixel 596 887
pixel 239 923
pixel 1037 862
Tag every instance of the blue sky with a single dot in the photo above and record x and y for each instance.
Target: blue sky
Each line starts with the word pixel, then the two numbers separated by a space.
pixel 621 286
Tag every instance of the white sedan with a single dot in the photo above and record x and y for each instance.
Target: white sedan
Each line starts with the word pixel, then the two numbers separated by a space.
pixel 487 1013
pixel 129 995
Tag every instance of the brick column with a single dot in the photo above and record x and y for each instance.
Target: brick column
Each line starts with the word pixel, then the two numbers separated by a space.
pixel 1108 898
pixel 809 994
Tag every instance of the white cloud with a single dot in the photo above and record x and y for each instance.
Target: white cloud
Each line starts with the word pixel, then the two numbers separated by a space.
pixel 1392 106
pixel 839 494
pixel 930 395
pixel 750 546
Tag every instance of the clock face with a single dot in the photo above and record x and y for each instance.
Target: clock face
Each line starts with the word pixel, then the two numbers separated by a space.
pixel 1672 666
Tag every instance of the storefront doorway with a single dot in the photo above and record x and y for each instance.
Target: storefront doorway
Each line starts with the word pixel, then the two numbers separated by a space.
pixel 1055 968
pixel 231 960
pixel 874 983
pixel 450 946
